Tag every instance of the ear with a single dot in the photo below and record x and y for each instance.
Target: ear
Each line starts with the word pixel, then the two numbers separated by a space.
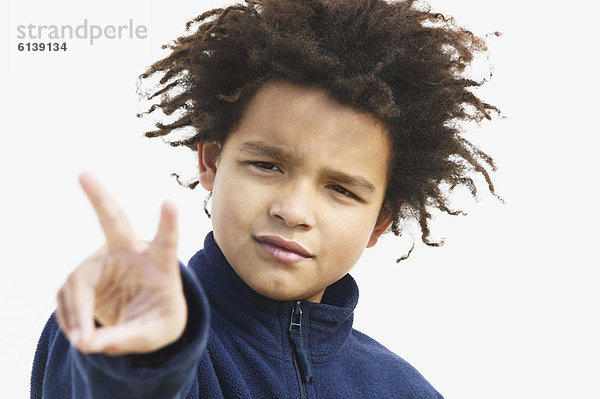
pixel 383 222
pixel 208 160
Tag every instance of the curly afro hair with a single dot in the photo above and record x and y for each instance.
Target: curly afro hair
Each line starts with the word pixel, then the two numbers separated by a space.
pixel 396 60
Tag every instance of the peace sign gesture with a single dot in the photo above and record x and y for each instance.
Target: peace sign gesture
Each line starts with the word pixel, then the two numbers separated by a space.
pixel 131 287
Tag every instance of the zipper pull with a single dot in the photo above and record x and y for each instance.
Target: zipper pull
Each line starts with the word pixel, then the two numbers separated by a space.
pixel 295 331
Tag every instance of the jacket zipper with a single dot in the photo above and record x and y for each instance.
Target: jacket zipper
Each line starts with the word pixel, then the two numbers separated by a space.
pixel 299 378
pixel 301 357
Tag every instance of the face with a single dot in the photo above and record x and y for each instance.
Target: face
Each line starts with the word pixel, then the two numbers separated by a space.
pixel 297 190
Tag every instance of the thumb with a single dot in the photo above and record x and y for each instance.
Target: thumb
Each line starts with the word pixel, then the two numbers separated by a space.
pixel 123 339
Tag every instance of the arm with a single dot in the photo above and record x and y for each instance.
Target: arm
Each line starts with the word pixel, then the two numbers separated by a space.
pixel 61 371
pixel 152 312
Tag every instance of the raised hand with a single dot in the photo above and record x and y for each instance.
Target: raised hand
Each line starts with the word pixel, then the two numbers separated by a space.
pixel 131 287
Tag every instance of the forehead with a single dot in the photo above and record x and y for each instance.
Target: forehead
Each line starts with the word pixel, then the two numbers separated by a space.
pixel 307 119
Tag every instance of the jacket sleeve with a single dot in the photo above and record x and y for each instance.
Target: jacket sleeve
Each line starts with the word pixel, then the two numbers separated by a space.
pixel 61 371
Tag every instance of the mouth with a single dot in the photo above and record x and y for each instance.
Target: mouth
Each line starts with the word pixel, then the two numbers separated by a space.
pixel 282 249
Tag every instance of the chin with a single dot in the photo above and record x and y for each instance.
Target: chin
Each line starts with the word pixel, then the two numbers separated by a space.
pixel 276 292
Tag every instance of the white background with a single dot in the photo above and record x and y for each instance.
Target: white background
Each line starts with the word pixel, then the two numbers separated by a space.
pixel 508 308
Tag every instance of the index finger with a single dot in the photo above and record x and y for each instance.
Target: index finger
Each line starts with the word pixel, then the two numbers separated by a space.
pixel 114 223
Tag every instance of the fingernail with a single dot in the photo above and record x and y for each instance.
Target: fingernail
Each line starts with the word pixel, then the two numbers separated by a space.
pixel 75 336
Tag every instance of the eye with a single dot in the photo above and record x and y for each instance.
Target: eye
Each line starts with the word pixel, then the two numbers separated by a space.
pixel 343 191
pixel 266 166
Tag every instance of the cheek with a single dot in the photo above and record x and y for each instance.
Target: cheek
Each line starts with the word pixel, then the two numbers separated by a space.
pixel 230 221
pixel 227 212
pixel 234 204
pixel 347 235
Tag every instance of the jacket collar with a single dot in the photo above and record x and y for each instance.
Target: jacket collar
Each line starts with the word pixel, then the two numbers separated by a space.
pixel 265 321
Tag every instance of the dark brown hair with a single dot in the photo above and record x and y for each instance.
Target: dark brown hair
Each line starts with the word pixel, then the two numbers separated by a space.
pixel 396 60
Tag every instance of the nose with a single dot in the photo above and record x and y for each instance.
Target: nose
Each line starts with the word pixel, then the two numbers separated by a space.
pixel 294 205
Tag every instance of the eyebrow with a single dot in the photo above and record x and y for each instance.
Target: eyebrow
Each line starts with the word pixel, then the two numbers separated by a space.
pixel 259 148
pixel 355 181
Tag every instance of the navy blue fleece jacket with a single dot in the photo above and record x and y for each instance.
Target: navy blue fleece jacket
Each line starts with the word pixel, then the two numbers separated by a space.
pixel 237 344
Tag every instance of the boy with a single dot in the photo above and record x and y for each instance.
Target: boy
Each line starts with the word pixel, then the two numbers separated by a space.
pixel 319 126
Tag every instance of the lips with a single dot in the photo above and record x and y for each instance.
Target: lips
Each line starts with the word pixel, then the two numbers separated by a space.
pixel 282 249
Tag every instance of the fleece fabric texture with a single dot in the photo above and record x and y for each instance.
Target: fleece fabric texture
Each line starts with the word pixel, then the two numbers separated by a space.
pixel 236 345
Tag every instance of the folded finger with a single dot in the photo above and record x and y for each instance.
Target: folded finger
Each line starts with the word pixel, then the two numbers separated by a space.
pixel 75 310
pixel 59 314
pixel 82 308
